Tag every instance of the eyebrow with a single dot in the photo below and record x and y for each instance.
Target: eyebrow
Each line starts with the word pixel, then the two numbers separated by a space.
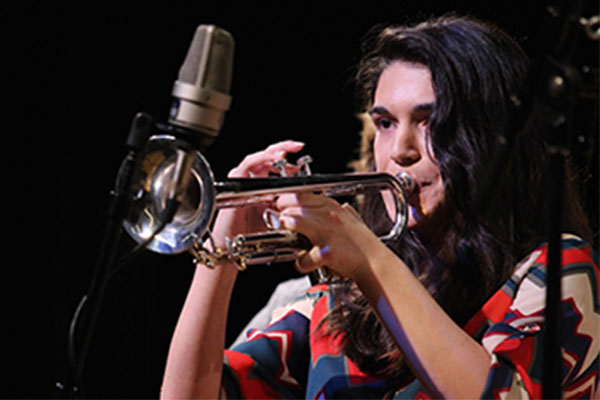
pixel 418 108
pixel 378 110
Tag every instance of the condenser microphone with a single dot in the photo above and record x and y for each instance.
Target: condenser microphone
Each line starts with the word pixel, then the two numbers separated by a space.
pixel 201 98
pixel 201 91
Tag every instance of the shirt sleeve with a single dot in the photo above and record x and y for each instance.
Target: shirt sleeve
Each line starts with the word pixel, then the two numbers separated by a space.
pixel 272 362
pixel 516 342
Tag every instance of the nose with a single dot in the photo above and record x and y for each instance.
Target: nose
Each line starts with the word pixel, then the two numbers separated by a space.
pixel 406 150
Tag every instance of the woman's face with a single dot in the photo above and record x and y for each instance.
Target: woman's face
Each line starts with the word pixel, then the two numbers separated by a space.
pixel 404 100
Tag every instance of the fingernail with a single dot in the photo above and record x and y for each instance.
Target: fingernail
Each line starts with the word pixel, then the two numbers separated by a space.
pixel 287 221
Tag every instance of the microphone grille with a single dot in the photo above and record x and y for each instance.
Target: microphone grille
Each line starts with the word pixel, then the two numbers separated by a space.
pixel 209 61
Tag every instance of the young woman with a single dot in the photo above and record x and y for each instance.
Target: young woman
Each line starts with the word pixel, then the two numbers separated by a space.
pixel 455 307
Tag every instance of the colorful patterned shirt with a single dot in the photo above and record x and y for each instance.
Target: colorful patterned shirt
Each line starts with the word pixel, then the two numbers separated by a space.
pixel 292 358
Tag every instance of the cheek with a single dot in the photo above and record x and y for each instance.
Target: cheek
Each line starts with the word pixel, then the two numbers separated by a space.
pixel 433 198
pixel 379 154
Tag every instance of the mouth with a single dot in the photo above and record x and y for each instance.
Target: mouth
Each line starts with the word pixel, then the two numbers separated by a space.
pixel 422 184
pixel 416 183
pixel 418 186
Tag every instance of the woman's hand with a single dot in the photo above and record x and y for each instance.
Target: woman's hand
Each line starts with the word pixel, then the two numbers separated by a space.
pixel 341 240
pixel 427 336
pixel 231 222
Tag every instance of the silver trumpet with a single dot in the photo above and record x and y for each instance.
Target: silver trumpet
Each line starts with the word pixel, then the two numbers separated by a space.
pixel 187 228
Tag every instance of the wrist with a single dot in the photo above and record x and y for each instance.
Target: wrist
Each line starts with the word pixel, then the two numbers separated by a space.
pixel 381 264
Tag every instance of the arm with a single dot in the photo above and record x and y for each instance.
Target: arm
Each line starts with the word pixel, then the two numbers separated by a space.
pixel 447 361
pixel 195 360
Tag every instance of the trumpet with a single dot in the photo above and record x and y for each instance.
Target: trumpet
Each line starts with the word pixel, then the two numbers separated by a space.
pixel 188 227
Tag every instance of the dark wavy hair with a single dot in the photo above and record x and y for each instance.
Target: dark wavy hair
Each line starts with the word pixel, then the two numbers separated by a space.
pixel 475 68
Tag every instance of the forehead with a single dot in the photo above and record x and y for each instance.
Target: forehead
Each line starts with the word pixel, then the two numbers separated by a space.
pixel 404 81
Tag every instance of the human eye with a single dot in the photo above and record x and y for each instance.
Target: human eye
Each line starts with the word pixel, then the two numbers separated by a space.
pixel 383 123
pixel 422 115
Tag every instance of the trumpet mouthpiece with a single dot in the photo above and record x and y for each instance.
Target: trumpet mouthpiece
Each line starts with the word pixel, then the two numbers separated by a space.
pixel 407 182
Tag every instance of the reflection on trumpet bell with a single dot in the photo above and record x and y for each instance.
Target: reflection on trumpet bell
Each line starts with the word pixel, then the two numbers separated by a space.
pixel 170 231
pixel 159 180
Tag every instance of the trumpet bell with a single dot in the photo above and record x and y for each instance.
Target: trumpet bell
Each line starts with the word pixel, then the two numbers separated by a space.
pixel 152 187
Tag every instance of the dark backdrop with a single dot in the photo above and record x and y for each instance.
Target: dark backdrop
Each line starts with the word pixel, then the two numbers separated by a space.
pixel 73 77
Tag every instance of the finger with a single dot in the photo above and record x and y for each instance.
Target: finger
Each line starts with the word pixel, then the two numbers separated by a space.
pixel 288 146
pixel 298 219
pixel 261 162
pixel 352 211
pixel 302 199
pixel 312 259
pixel 257 163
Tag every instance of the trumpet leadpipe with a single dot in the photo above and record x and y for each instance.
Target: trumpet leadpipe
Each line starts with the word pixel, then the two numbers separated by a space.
pixel 236 192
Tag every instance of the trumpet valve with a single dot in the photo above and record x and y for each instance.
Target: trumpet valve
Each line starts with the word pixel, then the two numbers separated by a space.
pixel 281 164
pixel 303 163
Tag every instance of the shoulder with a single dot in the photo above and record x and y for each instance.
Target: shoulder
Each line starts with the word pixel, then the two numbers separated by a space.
pixel 580 273
pixel 575 252
pixel 521 303
pixel 579 276
pixel 577 256
pixel 517 316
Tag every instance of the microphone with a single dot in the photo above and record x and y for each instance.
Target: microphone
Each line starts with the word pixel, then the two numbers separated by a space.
pixel 170 186
pixel 145 207
pixel 201 91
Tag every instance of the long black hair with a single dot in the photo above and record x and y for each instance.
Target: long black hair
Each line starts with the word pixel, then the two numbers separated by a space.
pixel 475 69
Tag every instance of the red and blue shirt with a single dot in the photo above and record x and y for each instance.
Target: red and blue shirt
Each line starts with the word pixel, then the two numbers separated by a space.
pixel 292 358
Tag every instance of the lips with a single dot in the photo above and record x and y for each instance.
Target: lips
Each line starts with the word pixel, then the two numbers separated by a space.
pixel 418 183
pixel 413 198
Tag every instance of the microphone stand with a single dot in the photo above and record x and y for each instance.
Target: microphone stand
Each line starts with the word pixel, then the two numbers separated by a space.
pixel 554 96
pixel 86 315
pixel 87 312
pixel 559 148
pixel 196 115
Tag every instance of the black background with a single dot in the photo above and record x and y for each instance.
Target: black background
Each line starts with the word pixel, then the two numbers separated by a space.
pixel 73 77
